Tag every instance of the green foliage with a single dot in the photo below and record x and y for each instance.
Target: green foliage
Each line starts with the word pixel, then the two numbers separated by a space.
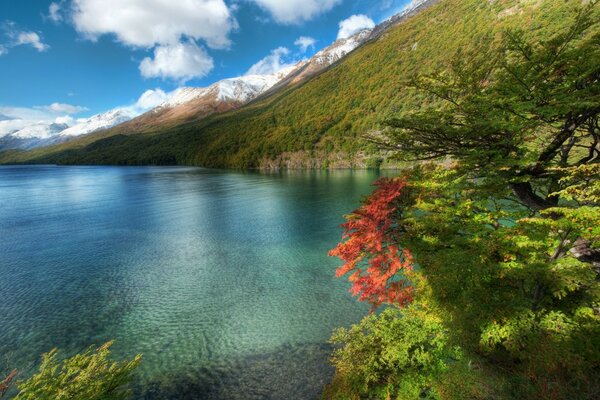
pixel 87 376
pixel 401 355
pixel 506 233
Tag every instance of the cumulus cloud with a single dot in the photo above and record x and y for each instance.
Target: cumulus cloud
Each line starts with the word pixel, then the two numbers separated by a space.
pixel 173 29
pixel 354 24
pixel 296 11
pixel 62 108
pixel 150 99
pixel 2 50
pixel 146 23
pixel 304 42
pixel 181 61
pixel 272 63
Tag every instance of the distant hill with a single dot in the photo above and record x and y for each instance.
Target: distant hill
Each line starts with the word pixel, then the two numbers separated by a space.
pixel 319 120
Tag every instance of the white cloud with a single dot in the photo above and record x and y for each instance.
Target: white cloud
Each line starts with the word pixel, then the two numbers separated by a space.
pixel 296 11
pixel 272 63
pixel 65 120
pixel 9 126
pixel 16 37
pixel 150 99
pixel 354 24
pixel 54 12
pixel 304 42
pixel 146 23
pixel 49 112
pixel 62 108
pixel 30 38
pixel 181 61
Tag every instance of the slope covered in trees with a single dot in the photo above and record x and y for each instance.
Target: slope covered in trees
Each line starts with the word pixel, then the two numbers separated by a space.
pixel 494 257
pixel 322 123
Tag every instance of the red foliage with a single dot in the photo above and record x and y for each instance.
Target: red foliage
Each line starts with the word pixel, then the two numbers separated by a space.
pixel 5 384
pixel 369 235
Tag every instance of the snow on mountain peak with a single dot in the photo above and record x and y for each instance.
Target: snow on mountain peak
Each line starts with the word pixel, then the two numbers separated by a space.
pixel 98 122
pixel 41 130
pixel 241 89
pixel 341 47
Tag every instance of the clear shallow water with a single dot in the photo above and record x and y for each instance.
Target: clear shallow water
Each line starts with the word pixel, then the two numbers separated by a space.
pixel 220 279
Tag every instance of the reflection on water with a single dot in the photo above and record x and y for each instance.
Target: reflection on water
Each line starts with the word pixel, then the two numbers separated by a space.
pixel 220 279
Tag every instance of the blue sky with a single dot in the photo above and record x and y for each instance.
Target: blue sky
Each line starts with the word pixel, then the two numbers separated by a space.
pixel 81 57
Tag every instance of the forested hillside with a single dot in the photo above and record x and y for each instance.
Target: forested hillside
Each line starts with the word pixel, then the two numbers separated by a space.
pixel 491 260
pixel 322 123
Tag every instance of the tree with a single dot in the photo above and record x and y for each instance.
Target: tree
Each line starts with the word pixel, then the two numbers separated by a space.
pixel 371 235
pixel 515 114
pixel 401 354
pixel 504 222
pixel 86 376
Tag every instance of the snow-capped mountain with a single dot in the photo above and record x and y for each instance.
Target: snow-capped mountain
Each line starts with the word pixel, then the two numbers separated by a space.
pixel 340 48
pixel 238 90
pixel 189 103
pixel 35 135
pixel 97 122
pixel 44 133
pixel 186 103
pixel 412 8
pixel 324 58
pixel 41 130
pixel 231 93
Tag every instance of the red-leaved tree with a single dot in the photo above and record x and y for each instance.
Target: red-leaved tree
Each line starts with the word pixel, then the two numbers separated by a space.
pixel 370 251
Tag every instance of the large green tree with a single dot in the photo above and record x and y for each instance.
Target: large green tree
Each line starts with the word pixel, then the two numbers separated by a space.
pixel 502 226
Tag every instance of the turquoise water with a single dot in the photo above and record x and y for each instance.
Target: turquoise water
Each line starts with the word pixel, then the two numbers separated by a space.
pixel 220 279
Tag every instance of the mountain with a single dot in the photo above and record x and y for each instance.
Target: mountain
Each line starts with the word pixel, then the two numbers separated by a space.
pixel 192 104
pixel 39 131
pixel 44 133
pixel 29 137
pixel 320 122
pixel 189 103
pixel 97 122
pixel 323 59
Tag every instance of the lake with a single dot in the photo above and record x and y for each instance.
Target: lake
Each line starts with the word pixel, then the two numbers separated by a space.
pixel 221 279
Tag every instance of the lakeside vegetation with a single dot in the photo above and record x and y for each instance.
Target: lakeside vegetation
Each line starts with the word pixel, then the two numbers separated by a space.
pixel 491 262
pixel 90 375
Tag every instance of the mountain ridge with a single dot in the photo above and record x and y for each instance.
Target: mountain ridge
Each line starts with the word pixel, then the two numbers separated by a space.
pixel 321 122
